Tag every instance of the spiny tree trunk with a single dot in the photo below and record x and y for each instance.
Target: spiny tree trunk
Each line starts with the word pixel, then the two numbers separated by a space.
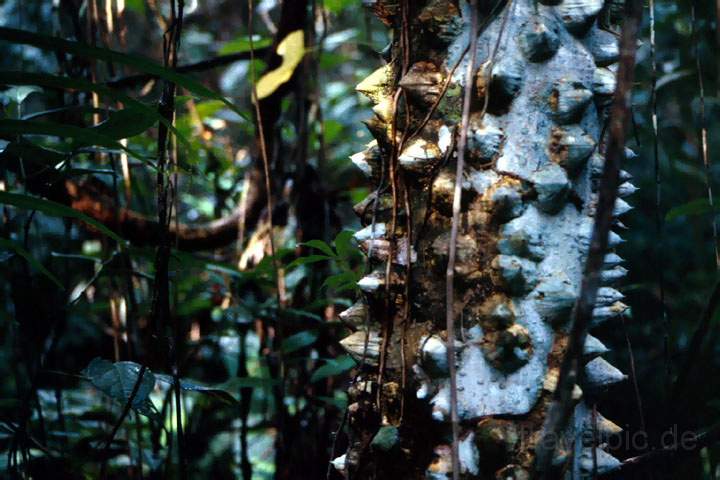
pixel 527 204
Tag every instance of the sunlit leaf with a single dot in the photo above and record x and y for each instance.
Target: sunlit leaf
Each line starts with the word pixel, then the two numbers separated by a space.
pixel 336 6
pixel 8 244
pixel 292 50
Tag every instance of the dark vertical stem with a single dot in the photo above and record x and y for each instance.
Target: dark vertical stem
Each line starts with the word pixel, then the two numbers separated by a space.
pixel 633 374
pixel 704 132
pixel 279 391
pixel 245 402
pixel 160 314
pixel 659 227
pixel 450 272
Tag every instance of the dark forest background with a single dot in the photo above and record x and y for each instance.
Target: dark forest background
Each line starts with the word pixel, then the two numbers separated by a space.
pixel 107 196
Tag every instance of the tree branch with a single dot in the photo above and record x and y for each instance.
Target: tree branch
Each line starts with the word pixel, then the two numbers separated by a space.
pixel 201 66
pixel 93 198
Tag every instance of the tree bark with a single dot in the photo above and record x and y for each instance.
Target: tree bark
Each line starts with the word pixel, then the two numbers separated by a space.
pixel 534 156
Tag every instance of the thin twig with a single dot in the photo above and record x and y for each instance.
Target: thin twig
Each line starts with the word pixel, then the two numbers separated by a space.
pixel 695 346
pixel 452 248
pixel 279 284
pixel 201 66
pixel 560 409
pixel 118 424
pixel 690 442
pixel 659 224
pixel 704 132
pixel 633 375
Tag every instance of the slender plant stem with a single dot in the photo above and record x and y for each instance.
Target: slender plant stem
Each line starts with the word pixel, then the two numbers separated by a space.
pixel 452 248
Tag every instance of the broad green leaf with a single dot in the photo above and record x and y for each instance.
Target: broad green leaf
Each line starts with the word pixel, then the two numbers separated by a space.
pixel 72 84
pixel 336 6
pixel 308 260
pixel 339 403
pixel 342 278
pixel 299 340
pixel 142 64
pixel 19 93
pixel 699 206
pixel 81 136
pixel 668 78
pixel 333 367
pixel 31 153
pixel 322 246
pixel 292 50
pixel 124 123
pixel 253 382
pixel 193 386
pixel 54 209
pixel 331 130
pixel 296 312
pixel 8 244
pixel 242 44
pixel 117 380
pixel 343 243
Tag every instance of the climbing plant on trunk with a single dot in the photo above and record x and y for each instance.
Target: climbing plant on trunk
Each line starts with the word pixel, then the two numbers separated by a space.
pixel 539 97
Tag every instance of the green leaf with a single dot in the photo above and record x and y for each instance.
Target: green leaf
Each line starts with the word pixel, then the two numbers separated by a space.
pixel 71 84
pixel 699 206
pixel 336 6
pixel 253 382
pixel 242 44
pixel 322 246
pixel 333 367
pixel 332 129
pixel 8 244
pixel 117 380
pixel 296 312
pixel 339 403
pixel 308 260
pixel 343 243
pixel 193 386
pixel 54 209
pixel 124 123
pixel 342 278
pixel 142 64
pixel 298 341
pixel 292 50
pixel 18 94
pixel 10 128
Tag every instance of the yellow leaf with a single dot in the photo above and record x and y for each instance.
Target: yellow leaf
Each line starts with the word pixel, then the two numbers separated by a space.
pixel 291 49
